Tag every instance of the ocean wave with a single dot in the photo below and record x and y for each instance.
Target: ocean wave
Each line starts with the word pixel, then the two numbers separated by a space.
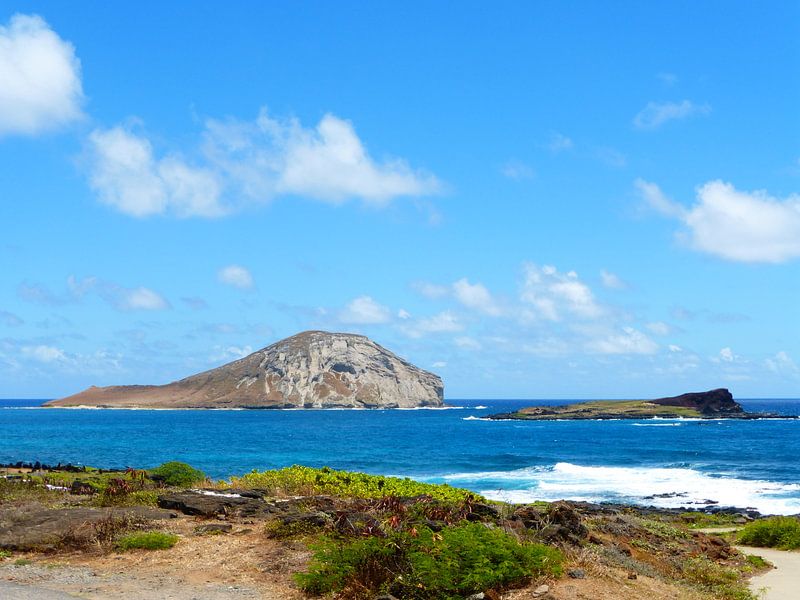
pixel 656 424
pixel 655 486
pixel 474 418
pixel 480 407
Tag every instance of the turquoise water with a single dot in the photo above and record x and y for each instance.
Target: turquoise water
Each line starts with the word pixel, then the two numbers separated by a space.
pixel 738 463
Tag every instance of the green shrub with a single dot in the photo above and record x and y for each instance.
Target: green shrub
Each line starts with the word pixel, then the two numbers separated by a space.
pixel 774 532
pixel 756 561
pixel 178 474
pixel 453 563
pixel 148 540
pixel 306 481
pixel 5 554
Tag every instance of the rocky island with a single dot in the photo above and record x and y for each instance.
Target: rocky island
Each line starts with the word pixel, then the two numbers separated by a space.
pixel 313 369
pixel 713 404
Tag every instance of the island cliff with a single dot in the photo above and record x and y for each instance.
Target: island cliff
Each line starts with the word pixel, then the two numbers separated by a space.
pixel 313 369
pixel 713 404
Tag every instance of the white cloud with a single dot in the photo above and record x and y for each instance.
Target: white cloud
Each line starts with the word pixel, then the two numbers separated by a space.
pixel 119 297
pixel 476 297
pixel 403 314
pixel 141 298
pixel 553 294
pixel 674 348
pixel 44 353
pixel 782 364
pixel 655 114
pixel 126 175
pixel 431 291
pixel 236 276
pixel 229 353
pixel 467 343
pixel 628 341
pixel 244 161
pixel 559 142
pixel 517 170
pixel 439 364
pixel 727 355
pixel 735 225
pixel 365 311
pixel 40 75
pixel 443 322
pixel 659 328
pixel 612 281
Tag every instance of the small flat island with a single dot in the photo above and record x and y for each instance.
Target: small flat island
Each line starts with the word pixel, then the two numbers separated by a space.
pixel 713 404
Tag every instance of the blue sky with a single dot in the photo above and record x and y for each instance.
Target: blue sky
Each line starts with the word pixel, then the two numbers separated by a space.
pixel 533 200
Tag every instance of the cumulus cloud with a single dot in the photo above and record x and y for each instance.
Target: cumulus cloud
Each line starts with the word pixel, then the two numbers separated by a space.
pixel 365 311
pixel 241 161
pixel 443 322
pixel 656 114
pixel 732 224
pixel 476 297
pixel 236 276
pixel 628 341
pixel 554 295
pixel 727 355
pixel 44 354
pixel 126 175
pixel 41 78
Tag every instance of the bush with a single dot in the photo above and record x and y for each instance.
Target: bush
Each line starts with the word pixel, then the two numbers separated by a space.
pixel 774 532
pixel 306 481
pixel 453 563
pixel 149 540
pixel 178 474
pixel 721 581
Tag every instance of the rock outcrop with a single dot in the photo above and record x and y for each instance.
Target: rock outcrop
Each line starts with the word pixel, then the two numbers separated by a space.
pixel 313 369
pixel 718 402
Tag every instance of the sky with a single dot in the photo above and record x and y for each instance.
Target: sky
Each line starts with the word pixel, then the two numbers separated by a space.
pixel 532 200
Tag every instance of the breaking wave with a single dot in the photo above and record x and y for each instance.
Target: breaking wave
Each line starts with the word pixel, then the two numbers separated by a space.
pixel 662 487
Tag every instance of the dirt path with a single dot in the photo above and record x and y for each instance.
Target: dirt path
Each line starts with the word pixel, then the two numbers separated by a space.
pixel 782 582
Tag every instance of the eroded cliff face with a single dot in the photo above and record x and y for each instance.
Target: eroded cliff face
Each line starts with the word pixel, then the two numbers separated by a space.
pixel 313 369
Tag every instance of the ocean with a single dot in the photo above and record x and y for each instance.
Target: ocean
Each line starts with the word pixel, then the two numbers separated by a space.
pixel 666 463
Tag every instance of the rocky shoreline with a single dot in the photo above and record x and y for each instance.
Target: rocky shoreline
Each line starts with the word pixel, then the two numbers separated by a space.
pixel 269 519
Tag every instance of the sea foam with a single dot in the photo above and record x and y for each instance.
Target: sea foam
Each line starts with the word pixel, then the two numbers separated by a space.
pixel 662 487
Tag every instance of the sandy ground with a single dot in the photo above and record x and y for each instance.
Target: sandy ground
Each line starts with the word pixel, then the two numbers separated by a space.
pixel 782 582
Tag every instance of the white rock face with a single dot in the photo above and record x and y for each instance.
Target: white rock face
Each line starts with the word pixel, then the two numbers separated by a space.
pixel 313 369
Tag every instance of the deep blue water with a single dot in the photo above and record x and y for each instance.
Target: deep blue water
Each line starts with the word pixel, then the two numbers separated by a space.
pixel 741 463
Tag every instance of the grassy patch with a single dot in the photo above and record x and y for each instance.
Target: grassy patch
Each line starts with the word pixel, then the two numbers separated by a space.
pixel 774 532
pixel 306 481
pixel 148 540
pixel 756 561
pixel 22 562
pixel 4 554
pixel 453 563
pixel 700 520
